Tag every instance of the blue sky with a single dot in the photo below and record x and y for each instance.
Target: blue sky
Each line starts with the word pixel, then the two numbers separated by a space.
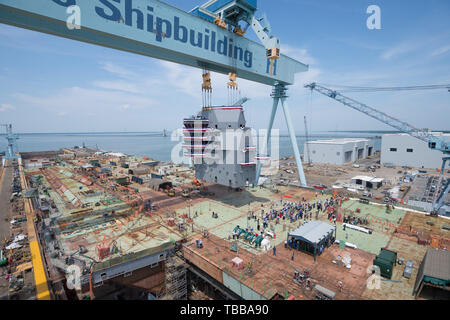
pixel 51 84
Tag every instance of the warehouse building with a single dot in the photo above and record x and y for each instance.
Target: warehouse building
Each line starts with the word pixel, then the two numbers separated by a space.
pixel 405 150
pixel 434 272
pixel 338 151
pixel 142 171
pixel 368 182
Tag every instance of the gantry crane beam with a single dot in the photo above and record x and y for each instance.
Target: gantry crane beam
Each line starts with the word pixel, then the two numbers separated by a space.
pixel 433 142
pixel 155 29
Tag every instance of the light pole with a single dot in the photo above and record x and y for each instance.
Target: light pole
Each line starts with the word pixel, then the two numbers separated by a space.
pixel 189 204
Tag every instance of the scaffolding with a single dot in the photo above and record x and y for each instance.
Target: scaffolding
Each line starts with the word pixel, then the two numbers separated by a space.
pixel 176 278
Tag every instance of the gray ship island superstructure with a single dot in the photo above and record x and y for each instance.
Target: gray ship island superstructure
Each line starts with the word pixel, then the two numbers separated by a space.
pixel 221 146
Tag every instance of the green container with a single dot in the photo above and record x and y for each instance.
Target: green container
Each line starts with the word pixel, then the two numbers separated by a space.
pixel 122 181
pixel 385 267
pixel 386 261
pixel 3 262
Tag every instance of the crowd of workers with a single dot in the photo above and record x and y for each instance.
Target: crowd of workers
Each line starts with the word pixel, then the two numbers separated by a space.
pixel 292 212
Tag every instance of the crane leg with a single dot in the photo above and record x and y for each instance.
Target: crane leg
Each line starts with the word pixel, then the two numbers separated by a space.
pixel 267 140
pixel 445 189
pixel 287 115
pixel 444 162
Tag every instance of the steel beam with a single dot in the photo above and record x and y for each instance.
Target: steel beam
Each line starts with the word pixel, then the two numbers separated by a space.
pixel 279 94
pixel 287 115
pixel 265 146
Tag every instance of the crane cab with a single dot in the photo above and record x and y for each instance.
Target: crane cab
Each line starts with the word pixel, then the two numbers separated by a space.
pixel 227 12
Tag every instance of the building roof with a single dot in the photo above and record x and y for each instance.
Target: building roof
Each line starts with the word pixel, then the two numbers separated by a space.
pixel 368 179
pixel 155 182
pixel 116 154
pixel 387 255
pixel 437 134
pixel 140 171
pixel 313 231
pixel 338 141
pixel 436 264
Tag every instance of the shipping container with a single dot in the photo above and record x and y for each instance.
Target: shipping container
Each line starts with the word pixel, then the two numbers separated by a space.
pixel 386 261
pixel 122 181
pixel 137 180
pixel 156 176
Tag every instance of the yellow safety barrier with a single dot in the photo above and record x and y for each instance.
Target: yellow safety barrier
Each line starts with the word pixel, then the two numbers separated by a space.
pixel 40 278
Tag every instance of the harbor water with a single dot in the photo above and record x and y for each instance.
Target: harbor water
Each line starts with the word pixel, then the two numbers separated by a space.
pixel 152 144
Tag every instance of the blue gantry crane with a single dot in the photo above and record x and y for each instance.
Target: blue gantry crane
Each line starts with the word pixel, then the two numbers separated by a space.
pixel 434 142
pixel 238 16
pixel 12 146
pixel 209 37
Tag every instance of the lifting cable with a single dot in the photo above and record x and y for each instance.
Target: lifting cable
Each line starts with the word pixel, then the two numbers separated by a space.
pixel 206 89
pixel 232 75
pixel 310 113
pixel 232 88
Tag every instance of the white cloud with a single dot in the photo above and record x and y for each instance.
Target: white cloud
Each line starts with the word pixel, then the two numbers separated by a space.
pixel 118 70
pixel 188 80
pixel 359 78
pixel 5 107
pixel 302 55
pixel 78 99
pixel 117 85
pixel 185 79
pixel 440 51
pixel 299 54
pixel 124 107
pixel 400 49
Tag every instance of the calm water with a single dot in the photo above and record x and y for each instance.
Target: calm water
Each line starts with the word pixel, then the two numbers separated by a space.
pixel 150 144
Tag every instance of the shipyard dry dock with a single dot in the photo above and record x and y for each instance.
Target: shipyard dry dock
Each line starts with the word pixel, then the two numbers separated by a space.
pixel 111 226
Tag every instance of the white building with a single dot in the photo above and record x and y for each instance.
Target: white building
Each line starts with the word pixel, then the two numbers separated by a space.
pixel 338 151
pixel 402 149
pixel 368 182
